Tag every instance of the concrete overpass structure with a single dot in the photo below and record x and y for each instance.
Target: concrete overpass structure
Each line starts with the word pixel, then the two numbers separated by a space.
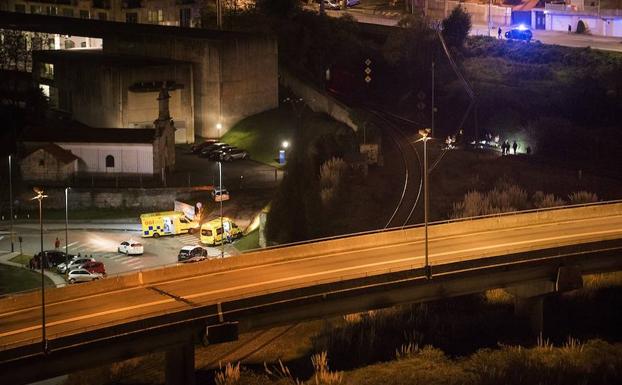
pixel 532 254
pixel 221 76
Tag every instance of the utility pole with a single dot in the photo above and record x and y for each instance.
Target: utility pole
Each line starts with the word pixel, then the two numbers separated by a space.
pixel 433 108
pixel 11 203
pixel 39 197
pixel 489 6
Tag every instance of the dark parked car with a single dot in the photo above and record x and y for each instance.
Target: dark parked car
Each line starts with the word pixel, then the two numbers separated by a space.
pixel 197 148
pixel 220 153
pixel 51 258
pixel 519 33
pixel 234 155
pixel 205 152
pixel 192 254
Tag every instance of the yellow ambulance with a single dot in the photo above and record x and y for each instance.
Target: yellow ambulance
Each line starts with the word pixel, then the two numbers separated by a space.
pixel 167 223
pixel 212 232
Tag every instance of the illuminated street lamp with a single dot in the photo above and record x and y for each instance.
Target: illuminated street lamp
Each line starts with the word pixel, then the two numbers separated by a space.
pixel 219 127
pixel 425 136
pixel 39 197
pixel 66 226
pixel 11 203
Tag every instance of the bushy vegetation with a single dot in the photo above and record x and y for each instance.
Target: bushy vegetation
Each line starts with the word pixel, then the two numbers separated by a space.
pixel 508 197
pixel 314 184
pixel 456 27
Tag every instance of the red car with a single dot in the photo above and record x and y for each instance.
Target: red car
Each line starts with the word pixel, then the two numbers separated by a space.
pixel 94 267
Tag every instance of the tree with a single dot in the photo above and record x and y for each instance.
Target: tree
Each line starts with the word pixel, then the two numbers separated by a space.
pixel 456 27
pixel 278 8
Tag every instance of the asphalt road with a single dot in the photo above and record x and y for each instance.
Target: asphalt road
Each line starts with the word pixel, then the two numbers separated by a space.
pixel 546 37
pixel 71 316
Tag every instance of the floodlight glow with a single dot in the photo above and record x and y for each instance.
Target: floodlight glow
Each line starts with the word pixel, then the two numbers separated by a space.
pixel 522 27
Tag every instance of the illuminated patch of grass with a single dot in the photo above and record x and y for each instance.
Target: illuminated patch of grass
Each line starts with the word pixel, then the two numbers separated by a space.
pixel 22 259
pixel 15 279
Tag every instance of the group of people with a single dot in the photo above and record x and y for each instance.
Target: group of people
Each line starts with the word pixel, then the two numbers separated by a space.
pixel 505 147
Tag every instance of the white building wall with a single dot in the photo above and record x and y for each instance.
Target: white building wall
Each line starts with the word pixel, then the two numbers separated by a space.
pixel 129 158
pixel 598 26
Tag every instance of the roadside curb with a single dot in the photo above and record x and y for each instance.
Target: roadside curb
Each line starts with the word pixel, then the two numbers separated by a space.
pixel 55 278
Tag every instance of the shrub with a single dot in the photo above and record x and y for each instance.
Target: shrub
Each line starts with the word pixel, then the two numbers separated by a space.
pixel 580 197
pixel 229 375
pixel 331 173
pixel 456 27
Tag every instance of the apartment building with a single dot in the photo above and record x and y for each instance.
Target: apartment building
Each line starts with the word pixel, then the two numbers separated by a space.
pixel 181 13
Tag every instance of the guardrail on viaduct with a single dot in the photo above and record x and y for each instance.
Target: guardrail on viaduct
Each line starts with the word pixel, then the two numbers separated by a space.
pixel 347 294
pixel 307 249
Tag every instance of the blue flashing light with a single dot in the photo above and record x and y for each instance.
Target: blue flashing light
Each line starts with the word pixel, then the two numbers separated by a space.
pixel 522 27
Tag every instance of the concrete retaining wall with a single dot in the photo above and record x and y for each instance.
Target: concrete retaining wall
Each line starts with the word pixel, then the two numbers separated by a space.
pixel 149 199
pixel 316 100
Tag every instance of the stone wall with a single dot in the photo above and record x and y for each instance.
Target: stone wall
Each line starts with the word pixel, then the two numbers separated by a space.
pixel 133 198
pixel 42 166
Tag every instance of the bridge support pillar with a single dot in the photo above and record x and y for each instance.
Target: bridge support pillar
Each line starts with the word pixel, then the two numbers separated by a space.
pixel 180 365
pixel 529 302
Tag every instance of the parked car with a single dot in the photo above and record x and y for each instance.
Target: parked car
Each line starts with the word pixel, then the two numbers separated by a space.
pixel 82 275
pixel 234 155
pixel 206 151
pixel 131 248
pixel 52 258
pixel 220 195
pixel 94 267
pixel 73 264
pixel 192 254
pixel 197 148
pixel 221 152
pixel 331 4
pixel 519 33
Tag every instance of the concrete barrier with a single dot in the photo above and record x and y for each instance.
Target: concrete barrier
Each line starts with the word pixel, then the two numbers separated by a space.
pixel 52 295
pixel 307 250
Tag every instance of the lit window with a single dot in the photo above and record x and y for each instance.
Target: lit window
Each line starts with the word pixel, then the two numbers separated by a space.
pixel 109 161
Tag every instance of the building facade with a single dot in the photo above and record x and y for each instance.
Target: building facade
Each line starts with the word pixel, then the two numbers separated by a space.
pixel 49 162
pixel 181 13
pixel 105 90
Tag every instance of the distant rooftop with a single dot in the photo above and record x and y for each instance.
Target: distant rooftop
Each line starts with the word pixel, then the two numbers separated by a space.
pixel 70 131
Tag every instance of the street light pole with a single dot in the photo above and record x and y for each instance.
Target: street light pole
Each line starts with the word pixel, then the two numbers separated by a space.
pixel 39 197
pixel 489 6
pixel 66 226
pixel 425 136
pixel 222 228
pixel 11 203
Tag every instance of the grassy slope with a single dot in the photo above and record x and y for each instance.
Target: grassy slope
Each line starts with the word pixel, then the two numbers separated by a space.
pixel 262 134
pixel 15 279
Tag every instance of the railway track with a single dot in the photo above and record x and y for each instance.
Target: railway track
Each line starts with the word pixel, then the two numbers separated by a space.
pixel 412 186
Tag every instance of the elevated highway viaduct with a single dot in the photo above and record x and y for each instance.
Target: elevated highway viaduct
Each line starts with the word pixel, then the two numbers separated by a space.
pixel 532 254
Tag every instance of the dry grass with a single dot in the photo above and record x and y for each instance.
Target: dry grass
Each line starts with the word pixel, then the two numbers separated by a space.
pixel 498 297
pixel 598 281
